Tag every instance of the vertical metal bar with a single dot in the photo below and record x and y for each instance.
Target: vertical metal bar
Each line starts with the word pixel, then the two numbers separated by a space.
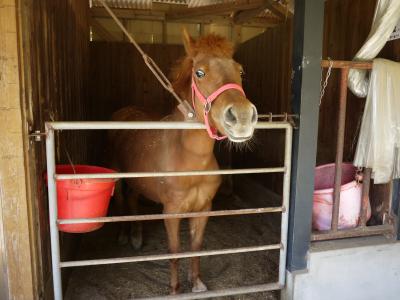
pixel 307 53
pixel 339 148
pixel 396 206
pixel 52 190
pixel 285 205
pixel 365 196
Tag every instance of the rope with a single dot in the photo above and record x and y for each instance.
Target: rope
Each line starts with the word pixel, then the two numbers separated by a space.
pixel 154 68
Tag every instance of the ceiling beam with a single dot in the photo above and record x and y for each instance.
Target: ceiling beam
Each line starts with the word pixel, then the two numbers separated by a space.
pixel 193 16
pixel 241 16
pixel 278 9
pixel 141 14
pixel 216 9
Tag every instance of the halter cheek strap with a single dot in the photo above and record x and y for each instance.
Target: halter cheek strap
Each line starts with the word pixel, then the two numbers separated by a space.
pixel 212 132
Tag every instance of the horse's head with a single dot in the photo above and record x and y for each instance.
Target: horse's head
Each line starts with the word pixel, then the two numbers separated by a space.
pixel 216 87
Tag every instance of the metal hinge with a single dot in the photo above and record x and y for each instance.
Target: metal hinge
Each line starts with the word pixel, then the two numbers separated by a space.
pixel 37 135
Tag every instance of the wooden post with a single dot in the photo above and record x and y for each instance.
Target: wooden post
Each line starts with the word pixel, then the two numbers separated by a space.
pixel 236 34
pixel 16 276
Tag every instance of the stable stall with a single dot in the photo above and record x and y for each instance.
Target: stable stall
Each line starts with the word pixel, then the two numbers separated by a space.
pixel 76 66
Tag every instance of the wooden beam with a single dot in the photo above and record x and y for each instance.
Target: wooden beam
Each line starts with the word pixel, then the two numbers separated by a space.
pixel 236 34
pixel 278 9
pixel 102 31
pixel 243 16
pixel 18 251
pixel 138 14
pixel 217 9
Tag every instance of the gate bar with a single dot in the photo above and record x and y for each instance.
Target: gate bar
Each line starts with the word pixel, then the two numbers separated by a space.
pixel 353 232
pixel 216 213
pixel 96 125
pixel 169 173
pixel 54 235
pixel 220 293
pixel 142 258
pixel 339 148
pixel 55 243
pixel 285 204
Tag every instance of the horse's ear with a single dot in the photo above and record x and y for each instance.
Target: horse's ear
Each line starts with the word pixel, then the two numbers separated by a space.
pixel 188 42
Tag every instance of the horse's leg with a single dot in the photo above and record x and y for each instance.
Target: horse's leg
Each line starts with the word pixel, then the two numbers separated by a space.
pixel 197 228
pixel 135 237
pixel 172 227
pixel 122 209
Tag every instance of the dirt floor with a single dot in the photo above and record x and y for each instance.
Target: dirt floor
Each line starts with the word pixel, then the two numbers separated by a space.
pixel 136 280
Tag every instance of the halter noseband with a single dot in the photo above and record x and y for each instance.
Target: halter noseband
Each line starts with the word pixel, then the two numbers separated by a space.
pixel 212 132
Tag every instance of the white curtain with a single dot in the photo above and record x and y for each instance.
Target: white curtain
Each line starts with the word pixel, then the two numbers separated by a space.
pixel 387 14
pixel 379 141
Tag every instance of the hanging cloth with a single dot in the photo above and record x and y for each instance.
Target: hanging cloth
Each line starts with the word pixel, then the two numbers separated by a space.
pixel 379 141
pixel 387 14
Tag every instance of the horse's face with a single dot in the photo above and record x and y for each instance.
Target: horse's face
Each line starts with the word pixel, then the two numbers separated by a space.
pixel 231 113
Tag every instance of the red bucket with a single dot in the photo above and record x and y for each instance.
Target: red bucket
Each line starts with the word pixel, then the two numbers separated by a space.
pixel 83 198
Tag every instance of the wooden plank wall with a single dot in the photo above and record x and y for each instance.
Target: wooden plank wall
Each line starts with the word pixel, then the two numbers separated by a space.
pixel 119 77
pixel 267 64
pixel 347 24
pixel 16 270
pixel 55 51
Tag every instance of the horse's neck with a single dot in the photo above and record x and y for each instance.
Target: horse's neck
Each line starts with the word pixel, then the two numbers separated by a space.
pixel 195 144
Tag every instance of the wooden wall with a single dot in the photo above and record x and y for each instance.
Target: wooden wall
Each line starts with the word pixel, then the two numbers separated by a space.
pixel 267 64
pixel 17 278
pixel 119 77
pixel 55 54
pixel 347 24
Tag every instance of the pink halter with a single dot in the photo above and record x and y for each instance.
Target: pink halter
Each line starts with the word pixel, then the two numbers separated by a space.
pixel 212 132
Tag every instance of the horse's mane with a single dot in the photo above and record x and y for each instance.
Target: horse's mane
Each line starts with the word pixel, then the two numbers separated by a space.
pixel 212 44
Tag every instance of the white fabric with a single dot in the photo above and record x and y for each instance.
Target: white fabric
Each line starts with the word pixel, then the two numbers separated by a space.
pixel 379 139
pixel 387 14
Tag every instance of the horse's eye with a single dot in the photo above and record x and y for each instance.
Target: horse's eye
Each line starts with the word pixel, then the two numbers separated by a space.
pixel 200 73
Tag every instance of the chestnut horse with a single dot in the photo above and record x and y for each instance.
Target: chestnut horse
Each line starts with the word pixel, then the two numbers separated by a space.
pixel 207 69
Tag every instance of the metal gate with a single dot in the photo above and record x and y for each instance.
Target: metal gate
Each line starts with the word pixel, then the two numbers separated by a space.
pixel 57 264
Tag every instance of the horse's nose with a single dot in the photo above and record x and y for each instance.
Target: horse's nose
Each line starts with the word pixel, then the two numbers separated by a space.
pixel 230 116
pixel 254 117
pixel 233 115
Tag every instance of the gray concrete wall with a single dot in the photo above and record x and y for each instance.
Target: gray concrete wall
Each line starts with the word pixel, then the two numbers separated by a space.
pixel 356 269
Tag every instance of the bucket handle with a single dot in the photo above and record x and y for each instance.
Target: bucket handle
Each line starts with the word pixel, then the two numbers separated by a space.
pixel 76 181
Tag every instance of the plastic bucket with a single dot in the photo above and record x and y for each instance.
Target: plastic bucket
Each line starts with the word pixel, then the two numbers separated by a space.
pixel 83 198
pixel 350 197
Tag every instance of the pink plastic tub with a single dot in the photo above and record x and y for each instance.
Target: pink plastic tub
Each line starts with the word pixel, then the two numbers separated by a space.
pixel 350 197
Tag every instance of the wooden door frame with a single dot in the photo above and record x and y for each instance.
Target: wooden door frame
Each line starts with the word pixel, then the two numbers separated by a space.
pixel 18 247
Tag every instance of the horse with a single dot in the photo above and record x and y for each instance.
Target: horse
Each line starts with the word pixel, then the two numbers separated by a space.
pixel 208 68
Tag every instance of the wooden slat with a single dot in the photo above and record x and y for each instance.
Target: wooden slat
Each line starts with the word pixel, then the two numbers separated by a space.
pixel 18 274
pixel 267 64
pixel 216 9
pixel 55 50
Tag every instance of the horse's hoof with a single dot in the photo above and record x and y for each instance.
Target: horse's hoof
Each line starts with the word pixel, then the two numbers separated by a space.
pixel 136 242
pixel 174 290
pixel 199 286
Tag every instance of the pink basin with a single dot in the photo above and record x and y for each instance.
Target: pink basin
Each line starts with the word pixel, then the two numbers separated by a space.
pixel 350 197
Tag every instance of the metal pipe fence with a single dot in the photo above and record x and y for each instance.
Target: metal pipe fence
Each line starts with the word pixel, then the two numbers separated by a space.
pixel 57 264
pixel 362 229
